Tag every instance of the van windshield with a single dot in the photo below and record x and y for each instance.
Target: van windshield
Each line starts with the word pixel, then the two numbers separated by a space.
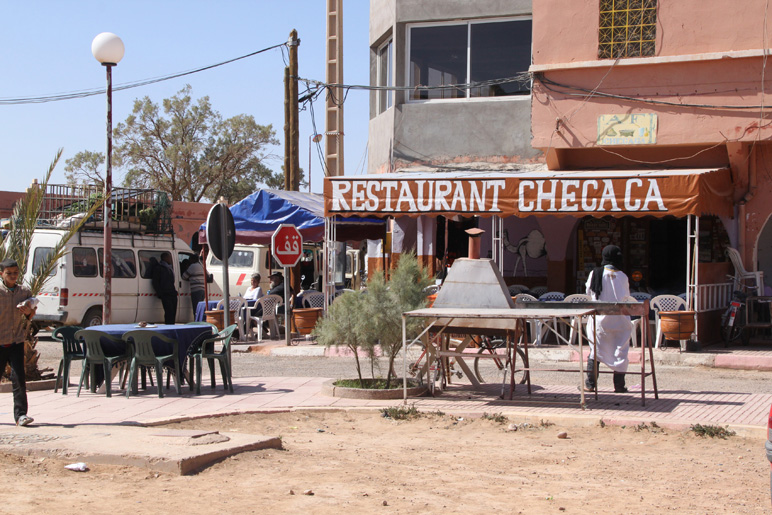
pixel 239 259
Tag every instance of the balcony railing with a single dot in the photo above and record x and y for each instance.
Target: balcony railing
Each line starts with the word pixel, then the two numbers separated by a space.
pixel 133 210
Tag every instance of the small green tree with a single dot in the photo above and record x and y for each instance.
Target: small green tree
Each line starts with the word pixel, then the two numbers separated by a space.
pixel 344 326
pixel 385 302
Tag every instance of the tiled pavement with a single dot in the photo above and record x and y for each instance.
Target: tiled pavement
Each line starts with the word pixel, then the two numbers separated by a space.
pixel 743 412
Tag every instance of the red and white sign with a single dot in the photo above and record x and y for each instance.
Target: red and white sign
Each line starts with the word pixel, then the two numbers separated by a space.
pixel 287 245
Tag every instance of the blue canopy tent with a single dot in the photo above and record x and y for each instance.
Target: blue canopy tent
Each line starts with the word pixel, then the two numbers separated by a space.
pixel 257 217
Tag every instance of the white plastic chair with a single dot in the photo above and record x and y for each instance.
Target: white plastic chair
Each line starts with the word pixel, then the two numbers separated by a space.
pixel 535 324
pixel 636 321
pixel 268 304
pixel 235 305
pixel 577 324
pixel 665 303
pixel 741 274
pixel 313 299
pixel 552 296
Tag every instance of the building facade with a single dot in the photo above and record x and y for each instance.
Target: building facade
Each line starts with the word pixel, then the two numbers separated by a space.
pixel 646 124
pixel 642 84
pixel 428 51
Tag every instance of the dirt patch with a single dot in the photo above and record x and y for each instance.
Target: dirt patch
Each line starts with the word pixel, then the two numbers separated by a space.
pixel 355 462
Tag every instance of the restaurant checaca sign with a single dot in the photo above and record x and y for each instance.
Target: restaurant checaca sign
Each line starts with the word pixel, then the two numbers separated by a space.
pixel 577 193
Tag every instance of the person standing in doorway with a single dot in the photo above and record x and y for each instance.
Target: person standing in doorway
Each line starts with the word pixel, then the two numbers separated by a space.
pixel 194 274
pixel 15 311
pixel 610 340
pixel 163 283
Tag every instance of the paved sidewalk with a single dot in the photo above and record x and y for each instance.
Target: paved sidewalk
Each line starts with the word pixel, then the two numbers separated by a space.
pixel 745 413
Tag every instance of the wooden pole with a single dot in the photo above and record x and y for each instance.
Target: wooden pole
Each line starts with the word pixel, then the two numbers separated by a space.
pixel 294 141
pixel 287 110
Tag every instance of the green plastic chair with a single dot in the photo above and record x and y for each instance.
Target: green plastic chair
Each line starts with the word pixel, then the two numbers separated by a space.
pixel 72 350
pixel 195 348
pixel 208 353
pixel 96 356
pixel 142 354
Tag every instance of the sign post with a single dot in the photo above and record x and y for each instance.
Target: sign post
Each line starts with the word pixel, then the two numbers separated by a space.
pixel 287 247
pixel 221 237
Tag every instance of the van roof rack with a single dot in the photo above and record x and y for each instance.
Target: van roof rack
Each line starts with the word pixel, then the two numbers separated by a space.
pixel 142 211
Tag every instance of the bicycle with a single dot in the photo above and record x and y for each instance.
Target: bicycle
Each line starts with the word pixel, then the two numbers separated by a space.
pixel 489 346
pixel 734 319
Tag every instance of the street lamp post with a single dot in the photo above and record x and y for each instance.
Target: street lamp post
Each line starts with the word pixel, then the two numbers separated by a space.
pixel 316 138
pixel 108 49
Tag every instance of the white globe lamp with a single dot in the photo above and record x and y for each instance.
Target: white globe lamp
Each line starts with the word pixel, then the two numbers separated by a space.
pixel 107 48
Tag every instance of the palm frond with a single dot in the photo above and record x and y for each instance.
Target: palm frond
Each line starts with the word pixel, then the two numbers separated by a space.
pixel 23 224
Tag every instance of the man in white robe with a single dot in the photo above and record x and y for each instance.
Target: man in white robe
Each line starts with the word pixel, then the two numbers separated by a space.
pixel 612 336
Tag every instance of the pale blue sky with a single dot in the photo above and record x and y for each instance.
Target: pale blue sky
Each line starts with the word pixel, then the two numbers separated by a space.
pixel 46 49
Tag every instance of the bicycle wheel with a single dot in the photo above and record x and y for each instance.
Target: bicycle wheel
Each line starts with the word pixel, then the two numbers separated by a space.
pixel 491 367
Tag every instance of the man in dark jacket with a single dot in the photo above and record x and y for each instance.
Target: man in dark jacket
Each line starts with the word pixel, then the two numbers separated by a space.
pixel 163 283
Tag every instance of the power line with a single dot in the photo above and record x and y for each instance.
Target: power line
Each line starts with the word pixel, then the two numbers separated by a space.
pixel 129 85
pixel 523 77
pixel 553 85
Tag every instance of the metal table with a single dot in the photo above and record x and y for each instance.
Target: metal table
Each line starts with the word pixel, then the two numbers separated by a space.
pixel 513 323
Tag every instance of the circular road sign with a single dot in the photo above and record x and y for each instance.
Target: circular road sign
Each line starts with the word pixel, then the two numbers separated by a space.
pixel 221 243
pixel 287 245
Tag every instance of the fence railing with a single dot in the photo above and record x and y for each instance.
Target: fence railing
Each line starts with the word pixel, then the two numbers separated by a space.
pixel 713 297
pixel 132 210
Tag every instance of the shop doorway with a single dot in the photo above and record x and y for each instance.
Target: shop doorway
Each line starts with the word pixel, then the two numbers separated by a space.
pixel 667 256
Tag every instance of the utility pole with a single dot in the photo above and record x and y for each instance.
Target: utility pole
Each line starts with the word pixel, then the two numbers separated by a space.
pixel 292 143
pixel 294 42
pixel 287 146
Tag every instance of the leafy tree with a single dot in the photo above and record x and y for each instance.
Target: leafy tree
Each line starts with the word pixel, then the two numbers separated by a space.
pixel 85 168
pixel 185 148
pixel 345 325
pixel 385 302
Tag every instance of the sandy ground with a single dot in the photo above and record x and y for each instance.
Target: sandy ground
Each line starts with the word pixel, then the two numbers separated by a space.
pixel 361 462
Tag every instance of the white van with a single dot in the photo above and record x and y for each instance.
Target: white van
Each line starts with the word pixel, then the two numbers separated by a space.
pixel 248 259
pixel 74 293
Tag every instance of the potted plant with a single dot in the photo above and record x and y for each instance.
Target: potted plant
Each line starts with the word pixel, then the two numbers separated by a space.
pixel 371 320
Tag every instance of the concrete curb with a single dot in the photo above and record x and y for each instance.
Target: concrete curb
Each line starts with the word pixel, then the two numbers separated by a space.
pixel 33 386
pixel 329 389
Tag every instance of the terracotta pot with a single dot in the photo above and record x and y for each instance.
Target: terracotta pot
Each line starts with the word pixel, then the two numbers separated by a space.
pixel 306 318
pixel 677 325
pixel 215 317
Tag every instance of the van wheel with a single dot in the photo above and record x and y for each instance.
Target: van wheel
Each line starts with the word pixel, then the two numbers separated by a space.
pixel 93 317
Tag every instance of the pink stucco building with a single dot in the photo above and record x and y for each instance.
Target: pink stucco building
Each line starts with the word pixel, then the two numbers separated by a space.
pixel 629 85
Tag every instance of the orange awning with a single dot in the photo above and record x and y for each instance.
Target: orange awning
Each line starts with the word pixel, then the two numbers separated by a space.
pixel 522 193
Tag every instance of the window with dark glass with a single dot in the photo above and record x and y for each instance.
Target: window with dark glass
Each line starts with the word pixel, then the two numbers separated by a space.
pixel 147 260
pixel 84 262
pixel 494 53
pixel 41 253
pixel 124 264
pixel 238 259
pixel 627 28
